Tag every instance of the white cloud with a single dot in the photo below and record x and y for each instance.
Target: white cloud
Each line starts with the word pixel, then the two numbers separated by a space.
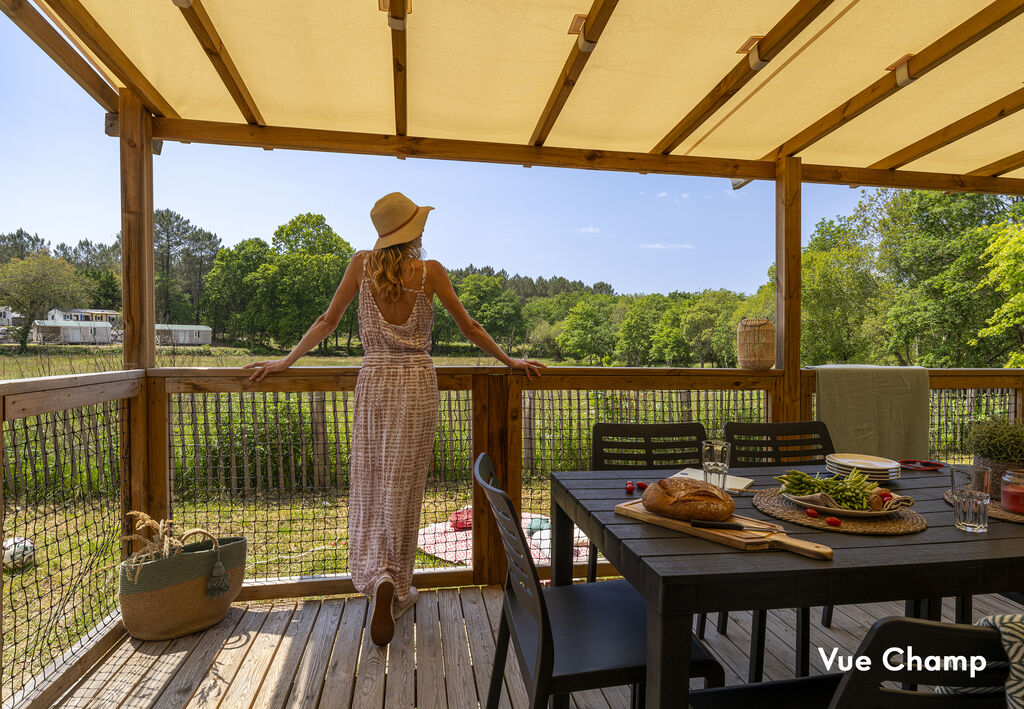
pixel 588 229
pixel 661 245
pixel 684 195
pixel 663 194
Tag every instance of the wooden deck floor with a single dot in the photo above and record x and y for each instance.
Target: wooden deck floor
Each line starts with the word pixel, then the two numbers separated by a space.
pixel 315 653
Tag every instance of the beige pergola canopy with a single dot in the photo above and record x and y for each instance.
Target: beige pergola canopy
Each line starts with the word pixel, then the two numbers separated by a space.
pixel 915 93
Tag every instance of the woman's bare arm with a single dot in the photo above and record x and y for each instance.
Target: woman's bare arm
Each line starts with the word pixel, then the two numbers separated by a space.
pixel 321 327
pixel 440 284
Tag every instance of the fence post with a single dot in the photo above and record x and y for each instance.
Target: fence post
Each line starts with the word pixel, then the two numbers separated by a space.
pixel 158 487
pixel 496 431
pixel 1018 400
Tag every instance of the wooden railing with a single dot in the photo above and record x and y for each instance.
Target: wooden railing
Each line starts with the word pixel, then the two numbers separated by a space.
pixel 529 427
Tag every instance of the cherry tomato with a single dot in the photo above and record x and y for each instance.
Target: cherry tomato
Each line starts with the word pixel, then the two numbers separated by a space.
pixel 834 521
pixel 641 485
pixel 811 512
pixel 629 487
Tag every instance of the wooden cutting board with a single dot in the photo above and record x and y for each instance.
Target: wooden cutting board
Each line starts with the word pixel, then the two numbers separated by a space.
pixel 738 539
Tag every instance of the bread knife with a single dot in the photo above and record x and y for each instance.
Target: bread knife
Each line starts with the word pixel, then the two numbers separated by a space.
pixel 708 524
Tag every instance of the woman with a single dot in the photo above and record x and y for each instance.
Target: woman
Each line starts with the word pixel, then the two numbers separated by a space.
pixel 396 400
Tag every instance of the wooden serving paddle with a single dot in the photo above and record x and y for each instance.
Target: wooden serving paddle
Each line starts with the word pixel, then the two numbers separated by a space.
pixel 766 536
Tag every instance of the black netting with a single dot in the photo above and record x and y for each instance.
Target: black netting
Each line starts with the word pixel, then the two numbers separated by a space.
pixel 62 488
pixel 274 466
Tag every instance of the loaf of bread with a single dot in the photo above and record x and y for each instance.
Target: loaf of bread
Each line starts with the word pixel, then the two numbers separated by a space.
pixel 685 498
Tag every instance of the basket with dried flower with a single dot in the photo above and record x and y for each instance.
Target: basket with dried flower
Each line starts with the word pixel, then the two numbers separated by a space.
pixel 169 587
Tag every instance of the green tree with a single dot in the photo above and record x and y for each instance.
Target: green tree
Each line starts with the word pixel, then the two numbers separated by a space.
pixel 170 230
pixel 709 328
pixel 444 329
pixel 302 279
pixel 587 332
pixel 1004 258
pixel 499 311
pixel 199 250
pixel 635 335
pixel 229 304
pixel 669 344
pixel 35 284
pixel 839 292
pixel 930 256
pixel 21 244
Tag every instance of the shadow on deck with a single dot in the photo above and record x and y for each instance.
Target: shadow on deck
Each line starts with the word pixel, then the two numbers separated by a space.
pixel 314 653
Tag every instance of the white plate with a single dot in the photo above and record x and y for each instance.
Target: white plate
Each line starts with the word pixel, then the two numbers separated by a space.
pixel 839 511
pixel 863 463
pixel 890 475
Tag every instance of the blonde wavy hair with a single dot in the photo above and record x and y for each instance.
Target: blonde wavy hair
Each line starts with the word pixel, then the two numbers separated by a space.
pixel 386 267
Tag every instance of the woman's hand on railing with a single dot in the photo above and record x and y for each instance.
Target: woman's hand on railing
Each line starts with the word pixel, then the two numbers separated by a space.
pixel 265 368
pixel 527 365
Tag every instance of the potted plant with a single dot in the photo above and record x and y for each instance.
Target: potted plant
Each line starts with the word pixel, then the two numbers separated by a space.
pixel 171 587
pixel 997 444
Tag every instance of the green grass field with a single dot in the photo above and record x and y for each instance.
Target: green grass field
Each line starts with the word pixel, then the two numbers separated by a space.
pixel 50 360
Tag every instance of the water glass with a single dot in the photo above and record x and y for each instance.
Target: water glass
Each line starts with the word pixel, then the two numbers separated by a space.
pixel 715 455
pixel 971 489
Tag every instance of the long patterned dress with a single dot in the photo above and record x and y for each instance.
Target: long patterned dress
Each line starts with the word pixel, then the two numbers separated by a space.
pixel 396 405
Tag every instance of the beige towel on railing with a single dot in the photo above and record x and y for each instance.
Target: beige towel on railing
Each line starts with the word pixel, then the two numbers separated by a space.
pixel 875 410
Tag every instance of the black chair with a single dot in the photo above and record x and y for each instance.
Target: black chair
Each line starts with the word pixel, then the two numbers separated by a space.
pixel 569 638
pixel 620 446
pixel 856 689
pixel 777 444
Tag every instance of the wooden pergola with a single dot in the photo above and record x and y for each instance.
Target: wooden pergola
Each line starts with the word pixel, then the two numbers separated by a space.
pixel 850 92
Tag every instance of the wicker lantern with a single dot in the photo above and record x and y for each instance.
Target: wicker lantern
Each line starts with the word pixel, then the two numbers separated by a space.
pixel 755 343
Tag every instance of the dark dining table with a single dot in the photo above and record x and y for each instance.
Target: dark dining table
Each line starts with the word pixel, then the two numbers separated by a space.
pixel 679 575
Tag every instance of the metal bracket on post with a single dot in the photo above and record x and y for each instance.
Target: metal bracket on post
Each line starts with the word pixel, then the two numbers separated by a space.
pixel 396 23
pixel 903 76
pixel 754 57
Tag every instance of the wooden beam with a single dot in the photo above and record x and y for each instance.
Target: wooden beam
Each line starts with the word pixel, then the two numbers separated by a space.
pixel 590 33
pixel 59 50
pixel 136 127
pixel 999 109
pixel 949 45
pixel 202 27
pixel 1001 166
pixel 399 56
pixel 444 149
pixel 767 48
pixel 787 286
pixel 78 20
pixel 474 151
pixel 908 179
pixel 157 472
pixel 18 406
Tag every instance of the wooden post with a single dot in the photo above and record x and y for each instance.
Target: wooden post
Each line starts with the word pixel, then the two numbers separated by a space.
pixel 492 433
pixel 136 139
pixel 137 232
pixel 158 478
pixel 787 285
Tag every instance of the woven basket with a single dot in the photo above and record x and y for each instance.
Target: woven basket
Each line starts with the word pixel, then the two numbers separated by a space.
pixel 755 343
pixel 168 598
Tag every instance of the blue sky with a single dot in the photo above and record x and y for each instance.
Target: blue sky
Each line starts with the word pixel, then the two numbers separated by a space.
pixel 641 233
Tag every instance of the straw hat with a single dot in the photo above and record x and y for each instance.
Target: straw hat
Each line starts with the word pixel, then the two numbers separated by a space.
pixel 397 219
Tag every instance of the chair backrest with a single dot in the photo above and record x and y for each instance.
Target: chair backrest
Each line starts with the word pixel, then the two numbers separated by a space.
pixel 618 446
pixel 529 622
pixel 928 640
pixel 769 444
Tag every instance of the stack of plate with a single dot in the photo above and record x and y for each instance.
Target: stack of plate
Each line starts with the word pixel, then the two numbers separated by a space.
pixel 876 469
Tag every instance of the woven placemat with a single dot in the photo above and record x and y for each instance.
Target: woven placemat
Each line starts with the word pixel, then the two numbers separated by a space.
pixel 905 521
pixel 994 510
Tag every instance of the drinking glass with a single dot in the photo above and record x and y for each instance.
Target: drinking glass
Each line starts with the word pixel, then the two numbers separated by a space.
pixel 715 455
pixel 971 487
